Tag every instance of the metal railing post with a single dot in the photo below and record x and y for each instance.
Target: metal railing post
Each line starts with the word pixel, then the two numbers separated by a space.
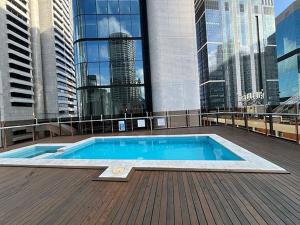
pixel 4 137
pixel 246 121
pixel 125 118
pixel 33 133
pixel 271 125
pixel 187 118
pixel 151 128
pixel 92 125
pixel 102 123
pixel 167 118
pixel 112 124
pixel 59 124
pixel 72 132
pixel 199 117
pixel 131 122
pixel 297 129
pixel 266 124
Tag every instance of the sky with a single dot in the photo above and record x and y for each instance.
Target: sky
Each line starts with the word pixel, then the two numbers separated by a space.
pixel 281 5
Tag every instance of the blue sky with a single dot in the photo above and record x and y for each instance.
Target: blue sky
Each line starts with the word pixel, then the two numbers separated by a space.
pixel 281 5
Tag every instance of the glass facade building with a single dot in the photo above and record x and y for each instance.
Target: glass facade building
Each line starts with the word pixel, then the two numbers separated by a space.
pixel 236 52
pixel 288 51
pixel 110 56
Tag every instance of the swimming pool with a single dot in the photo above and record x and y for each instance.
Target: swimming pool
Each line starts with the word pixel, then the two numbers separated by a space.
pixel 33 151
pixel 119 156
pixel 150 148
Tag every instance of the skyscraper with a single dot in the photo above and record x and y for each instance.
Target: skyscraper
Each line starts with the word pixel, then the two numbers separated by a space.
pixel 37 66
pixel 16 80
pixel 288 46
pixel 236 52
pixel 143 54
pixel 56 29
pixel 37 77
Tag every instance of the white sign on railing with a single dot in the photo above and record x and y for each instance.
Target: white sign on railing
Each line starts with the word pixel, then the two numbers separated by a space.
pixel 161 122
pixel 141 123
pixel 122 126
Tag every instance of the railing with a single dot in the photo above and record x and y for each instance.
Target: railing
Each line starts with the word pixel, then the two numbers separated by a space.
pixel 285 126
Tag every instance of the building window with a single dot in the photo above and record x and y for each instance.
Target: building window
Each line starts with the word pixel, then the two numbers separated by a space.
pixel 109 49
pixel 242 8
pixel 226 6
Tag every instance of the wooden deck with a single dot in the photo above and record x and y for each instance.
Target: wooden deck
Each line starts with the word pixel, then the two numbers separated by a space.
pixel 69 196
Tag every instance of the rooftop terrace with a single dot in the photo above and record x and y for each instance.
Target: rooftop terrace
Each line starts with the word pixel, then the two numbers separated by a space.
pixel 70 196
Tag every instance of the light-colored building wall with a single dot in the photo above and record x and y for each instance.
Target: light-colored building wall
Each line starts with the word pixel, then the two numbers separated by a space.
pixel 39 96
pixel 16 85
pixel 173 55
pixel 43 30
pixel 36 59
pixel 57 53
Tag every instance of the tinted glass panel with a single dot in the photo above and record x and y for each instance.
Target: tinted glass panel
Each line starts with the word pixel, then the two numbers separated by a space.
pixel 101 6
pixel 113 6
pixel 109 56
pixel 90 26
pixel 124 7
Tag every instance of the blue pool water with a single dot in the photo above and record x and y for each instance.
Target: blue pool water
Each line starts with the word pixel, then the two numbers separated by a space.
pixel 30 152
pixel 154 148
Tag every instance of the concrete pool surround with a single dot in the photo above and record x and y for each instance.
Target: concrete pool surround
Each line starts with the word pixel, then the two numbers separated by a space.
pixel 120 170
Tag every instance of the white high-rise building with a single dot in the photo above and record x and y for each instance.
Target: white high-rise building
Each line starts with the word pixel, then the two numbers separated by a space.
pixel 37 65
pixel 56 32
pixel 16 80
pixel 37 77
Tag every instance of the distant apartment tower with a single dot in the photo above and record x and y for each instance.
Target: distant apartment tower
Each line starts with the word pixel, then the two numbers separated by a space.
pixel 236 52
pixel 288 51
pixel 36 61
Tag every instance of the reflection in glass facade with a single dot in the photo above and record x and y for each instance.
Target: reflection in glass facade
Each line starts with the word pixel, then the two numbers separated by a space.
pixel 288 52
pixel 236 52
pixel 109 57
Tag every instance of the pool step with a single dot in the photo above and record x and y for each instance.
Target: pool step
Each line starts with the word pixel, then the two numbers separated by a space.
pixel 43 156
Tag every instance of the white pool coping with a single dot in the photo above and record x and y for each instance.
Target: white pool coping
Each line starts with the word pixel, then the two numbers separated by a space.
pixel 120 170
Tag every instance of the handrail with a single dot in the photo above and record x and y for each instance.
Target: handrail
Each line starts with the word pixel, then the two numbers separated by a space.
pixel 146 117
pixel 257 122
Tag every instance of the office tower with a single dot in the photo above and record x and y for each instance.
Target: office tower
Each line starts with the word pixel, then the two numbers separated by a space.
pixel 37 77
pixel 144 58
pixel 288 46
pixel 236 52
